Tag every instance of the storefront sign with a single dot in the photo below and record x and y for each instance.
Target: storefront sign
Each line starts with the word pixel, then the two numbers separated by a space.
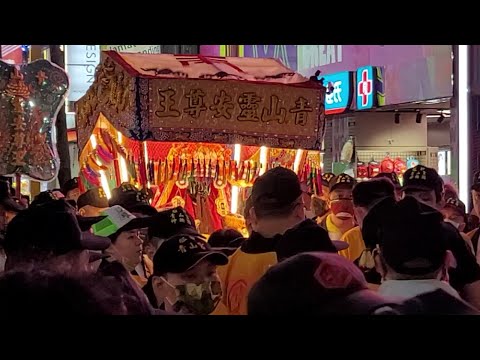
pixel 81 62
pixel 366 92
pixel 181 108
pixel 339 92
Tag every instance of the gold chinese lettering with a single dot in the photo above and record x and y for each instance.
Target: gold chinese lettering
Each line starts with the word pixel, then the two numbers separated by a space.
pixel 195 103
pixel 249 104
pixel 222 105
pixel 301 111
pixel 274 113
pixel 167 104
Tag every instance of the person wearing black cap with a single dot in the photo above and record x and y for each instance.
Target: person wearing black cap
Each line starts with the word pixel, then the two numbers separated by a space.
pixel 464 272
pixel 340 219
pixel 280 231
pixel 71 189
pixel 132 199
pixel 49 235
pixel 92 202
pixel 184 276
pixel 315 284
pixel 454 212
pixel 394 179
pixel 413 252
pixel 424 184
pixel 365 195
pixel 166 224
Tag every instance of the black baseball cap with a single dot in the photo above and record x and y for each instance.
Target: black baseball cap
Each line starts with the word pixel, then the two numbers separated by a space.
pixel 476 181
pixel 95 197
pixel 8 202
pixel 48 196
pixel 277 188
pixel 51 227
pixel 366 193
pixel 131 199
pixel 421 178
pixel 305 237
pixel 391 176
pixel 456 204
pixel 70 185
pixel 168 223
pixel 343 180
pixel 315 283
pixel 182 252
pixel 411 237
pixel 326 177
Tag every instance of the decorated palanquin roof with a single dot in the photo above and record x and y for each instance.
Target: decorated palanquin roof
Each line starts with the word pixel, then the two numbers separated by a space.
pixel 164 66
pixel 193 98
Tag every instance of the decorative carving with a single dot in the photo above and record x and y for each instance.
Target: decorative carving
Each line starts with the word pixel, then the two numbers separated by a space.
pixel 30 97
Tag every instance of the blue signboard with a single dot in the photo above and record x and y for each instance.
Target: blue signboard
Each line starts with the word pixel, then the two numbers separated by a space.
pixel 365 88
pixel 339 92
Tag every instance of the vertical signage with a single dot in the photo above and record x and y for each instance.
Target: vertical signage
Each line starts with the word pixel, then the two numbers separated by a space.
pixel 366 92
pixel 339 92
pixel 81 62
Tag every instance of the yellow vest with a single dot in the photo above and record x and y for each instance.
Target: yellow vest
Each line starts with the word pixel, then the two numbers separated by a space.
pixel 239 275
pixel 356 244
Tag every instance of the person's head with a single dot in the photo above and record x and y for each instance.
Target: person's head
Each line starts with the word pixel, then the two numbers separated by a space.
pixel 123 229
pixel 277 202
pixel 412 243
pixel 326 178
pixel 226 240
pixel 166 224
pixel 50 235
pixel 454 213
pixel 476 193
pixel 92 202
pixel 71 189
pixel 313 284
pixel 50 293
pixel 425 185
pixel 185 275
pixel 132 199
pixel 367 193
pixel 340 197
pixel 392 176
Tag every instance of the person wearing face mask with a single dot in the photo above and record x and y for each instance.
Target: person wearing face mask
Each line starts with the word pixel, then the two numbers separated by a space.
pixel 463 271
pixel 413 252
pixel 455 214
pixel 185 278
pixel 340 219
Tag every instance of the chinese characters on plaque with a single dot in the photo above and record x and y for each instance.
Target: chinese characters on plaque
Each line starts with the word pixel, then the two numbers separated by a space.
pixel 217 105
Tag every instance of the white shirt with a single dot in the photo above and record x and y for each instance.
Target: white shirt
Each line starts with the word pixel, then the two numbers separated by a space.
pixel 406 289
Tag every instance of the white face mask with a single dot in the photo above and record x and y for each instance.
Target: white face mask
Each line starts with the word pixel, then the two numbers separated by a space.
pixel 455 224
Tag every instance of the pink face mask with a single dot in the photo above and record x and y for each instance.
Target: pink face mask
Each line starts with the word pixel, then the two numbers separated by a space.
pixel 342 209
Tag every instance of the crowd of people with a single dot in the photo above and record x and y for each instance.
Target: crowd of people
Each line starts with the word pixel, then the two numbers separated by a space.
pixel 372 248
